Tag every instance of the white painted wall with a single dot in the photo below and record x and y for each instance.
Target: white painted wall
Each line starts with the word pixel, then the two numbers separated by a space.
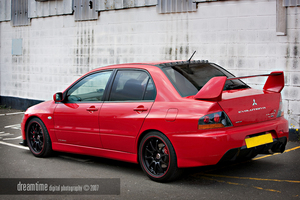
pixel 238 35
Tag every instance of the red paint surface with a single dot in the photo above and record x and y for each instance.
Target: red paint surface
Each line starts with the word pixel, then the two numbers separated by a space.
pixel 114 129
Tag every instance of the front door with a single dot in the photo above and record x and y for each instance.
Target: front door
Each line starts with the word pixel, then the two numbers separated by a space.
pixel 76 120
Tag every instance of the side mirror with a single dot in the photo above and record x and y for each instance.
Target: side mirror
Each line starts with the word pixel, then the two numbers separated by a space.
pixel 58 97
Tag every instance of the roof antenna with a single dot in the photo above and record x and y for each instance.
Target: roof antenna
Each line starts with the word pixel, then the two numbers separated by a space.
pixel 191 57
pixel 188 65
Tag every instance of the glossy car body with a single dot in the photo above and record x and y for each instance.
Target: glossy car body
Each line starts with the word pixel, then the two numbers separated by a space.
pixel 115 127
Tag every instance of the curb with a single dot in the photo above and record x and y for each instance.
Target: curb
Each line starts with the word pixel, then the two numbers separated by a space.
pixel 294 135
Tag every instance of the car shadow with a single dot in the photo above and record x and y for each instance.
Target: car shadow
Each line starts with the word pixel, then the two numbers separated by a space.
pixel 197 176
pixel 103 162
pixel 191 176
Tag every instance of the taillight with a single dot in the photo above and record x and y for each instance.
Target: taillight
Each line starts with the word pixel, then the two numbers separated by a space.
pixel 280 110
pixel 214 120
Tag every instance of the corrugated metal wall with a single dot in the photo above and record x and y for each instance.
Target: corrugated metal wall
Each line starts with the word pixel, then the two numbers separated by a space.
pixel 205 0
pixel 5 10
pixel 291 3
pixel 19 12
pixel 49 8
pixel 121 4
pixel 172 6
pixel 85 10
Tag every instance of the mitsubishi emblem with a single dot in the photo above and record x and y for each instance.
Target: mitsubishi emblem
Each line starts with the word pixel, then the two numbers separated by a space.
pixel 254 103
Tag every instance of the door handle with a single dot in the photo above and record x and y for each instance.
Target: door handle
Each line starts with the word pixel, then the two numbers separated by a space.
pixel 92 108
pixel 140 108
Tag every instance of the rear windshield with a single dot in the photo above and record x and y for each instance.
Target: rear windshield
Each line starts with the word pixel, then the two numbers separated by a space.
pixel 188 80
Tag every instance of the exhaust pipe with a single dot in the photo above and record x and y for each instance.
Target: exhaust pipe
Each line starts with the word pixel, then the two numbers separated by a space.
pixel 278 148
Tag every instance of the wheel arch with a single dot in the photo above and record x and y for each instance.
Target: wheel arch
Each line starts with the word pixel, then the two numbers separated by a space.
pixel 141 136
pixel 27 123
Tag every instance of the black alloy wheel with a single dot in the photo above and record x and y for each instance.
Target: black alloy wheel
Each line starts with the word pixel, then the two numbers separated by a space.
pixel 157 157
pixel 38 138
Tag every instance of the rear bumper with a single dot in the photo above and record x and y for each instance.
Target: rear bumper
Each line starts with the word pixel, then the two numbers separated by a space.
pixel 277 146
pixel 214 145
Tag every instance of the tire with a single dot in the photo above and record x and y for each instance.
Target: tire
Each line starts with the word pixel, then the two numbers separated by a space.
pixel 157 158
pixel 38 139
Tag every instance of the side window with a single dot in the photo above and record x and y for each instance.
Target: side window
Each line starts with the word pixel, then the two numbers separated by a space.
pixel 91 88
pixel 131 85
pixel 150 91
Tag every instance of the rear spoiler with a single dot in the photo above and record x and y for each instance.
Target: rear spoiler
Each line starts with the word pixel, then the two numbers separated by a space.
pixel 212 90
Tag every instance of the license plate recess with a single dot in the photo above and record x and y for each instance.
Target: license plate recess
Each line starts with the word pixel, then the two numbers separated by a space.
pixel 259 140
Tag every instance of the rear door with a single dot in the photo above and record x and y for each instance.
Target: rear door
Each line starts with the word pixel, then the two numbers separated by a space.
pixel 122 115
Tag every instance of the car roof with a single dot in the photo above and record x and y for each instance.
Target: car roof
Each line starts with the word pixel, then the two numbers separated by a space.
pixel 154 63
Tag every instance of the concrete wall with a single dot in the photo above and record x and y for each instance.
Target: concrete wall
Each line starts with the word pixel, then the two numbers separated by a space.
pixel 238 35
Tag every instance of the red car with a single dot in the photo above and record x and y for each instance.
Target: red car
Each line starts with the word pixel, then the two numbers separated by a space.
pixel 163 115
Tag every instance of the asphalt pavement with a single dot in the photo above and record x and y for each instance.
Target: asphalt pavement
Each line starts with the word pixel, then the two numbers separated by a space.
pixel 275 176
